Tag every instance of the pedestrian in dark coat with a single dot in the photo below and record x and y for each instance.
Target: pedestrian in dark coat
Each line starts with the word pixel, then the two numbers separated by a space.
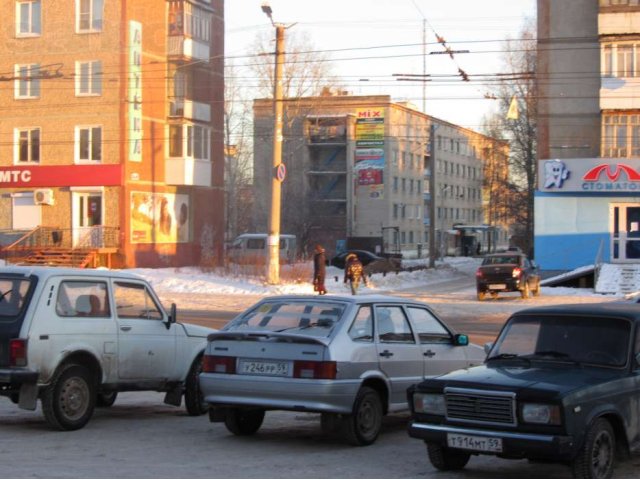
pixel 319 270
pixel 353 272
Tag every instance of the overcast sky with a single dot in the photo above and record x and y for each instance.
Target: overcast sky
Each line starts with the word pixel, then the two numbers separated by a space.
pixel 371 40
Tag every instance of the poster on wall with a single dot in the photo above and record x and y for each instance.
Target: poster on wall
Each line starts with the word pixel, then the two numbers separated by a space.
pixel 369 151
pixel 159 217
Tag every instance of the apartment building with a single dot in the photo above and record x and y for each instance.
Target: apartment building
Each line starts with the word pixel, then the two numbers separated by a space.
pixel 587 208
pixel 111 132
pixel 358 170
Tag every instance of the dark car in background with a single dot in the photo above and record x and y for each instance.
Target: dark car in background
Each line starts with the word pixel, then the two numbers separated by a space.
pixel 371 262
pixel 560 384
pixel 509 271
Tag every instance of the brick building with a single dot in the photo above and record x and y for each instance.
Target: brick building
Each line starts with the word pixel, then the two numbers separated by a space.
pixel 111 132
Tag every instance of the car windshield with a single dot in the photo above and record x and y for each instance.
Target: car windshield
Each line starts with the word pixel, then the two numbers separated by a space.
pixel 13 292
pixel 577 339
pixel 293 316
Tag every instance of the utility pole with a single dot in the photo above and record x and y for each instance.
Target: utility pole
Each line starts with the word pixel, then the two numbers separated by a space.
pixel 432 195
pixel 277 170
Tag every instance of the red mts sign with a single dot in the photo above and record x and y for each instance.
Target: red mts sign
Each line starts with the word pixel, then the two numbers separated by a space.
pixel 61 176
pixel 612 172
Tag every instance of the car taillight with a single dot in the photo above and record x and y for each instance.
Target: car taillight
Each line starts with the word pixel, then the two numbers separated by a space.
pixel 217 364
pixel 516 272
pixel 18 352
pixel 318 370
pixel 479 273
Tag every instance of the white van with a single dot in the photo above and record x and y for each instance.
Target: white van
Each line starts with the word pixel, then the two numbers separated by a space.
pixel 251 248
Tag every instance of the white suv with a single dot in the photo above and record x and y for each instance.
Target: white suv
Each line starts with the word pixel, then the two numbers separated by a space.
pixel 74 338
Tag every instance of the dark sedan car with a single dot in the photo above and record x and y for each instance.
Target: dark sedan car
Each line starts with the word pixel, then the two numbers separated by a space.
pixel 371 262
pixel 507 272
pixel 560 384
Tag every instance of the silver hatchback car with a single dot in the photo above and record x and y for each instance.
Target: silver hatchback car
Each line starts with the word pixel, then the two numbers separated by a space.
pixel 349 358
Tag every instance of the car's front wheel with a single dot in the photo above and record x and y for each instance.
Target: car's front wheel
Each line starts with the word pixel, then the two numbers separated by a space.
pixel 69 401
pixel 193 398
pixel 444 458
pixel 363 426
pixel 244 421
pixel 596 458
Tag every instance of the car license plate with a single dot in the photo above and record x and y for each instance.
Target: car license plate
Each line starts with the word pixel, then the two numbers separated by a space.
pixel 497 286
pixel 264 367
pixel 471 442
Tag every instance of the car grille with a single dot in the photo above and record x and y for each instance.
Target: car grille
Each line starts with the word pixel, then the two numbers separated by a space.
pixel 480 406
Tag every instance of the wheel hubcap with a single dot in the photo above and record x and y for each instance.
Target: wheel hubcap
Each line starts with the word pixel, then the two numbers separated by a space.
pixel 74 398
pixel 602 454
pixel 367 418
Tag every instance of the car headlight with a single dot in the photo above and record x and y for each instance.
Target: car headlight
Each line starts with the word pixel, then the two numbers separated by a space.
pixel 541 413
pixel 429 403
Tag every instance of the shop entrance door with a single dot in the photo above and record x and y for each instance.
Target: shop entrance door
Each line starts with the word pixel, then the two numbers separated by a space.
pixel 87 219
pixel 625 237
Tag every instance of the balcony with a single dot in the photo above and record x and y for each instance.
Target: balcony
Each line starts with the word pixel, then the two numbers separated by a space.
pixel 180 107
pixel 619 22
pixel 620 93
pixel 188 48
pixel 187 171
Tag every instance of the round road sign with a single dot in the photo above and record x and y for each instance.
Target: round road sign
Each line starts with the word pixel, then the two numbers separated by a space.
pixel 281 172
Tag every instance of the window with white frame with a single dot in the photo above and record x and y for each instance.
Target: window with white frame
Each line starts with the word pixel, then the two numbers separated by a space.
pixel 27 81
pixel 88 144
pixel 620 135
pixel 89 15
pixel 28 18
pixel 26 145
pixel 620 60
pixel 192 141
pixel 619 3
pixel 89 78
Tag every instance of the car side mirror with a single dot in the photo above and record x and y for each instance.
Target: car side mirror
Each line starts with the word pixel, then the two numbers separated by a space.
pixel 173 315
pixel 487 347
pixel 461 340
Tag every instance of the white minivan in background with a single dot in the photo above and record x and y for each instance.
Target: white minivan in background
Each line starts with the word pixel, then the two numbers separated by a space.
pixel 251 248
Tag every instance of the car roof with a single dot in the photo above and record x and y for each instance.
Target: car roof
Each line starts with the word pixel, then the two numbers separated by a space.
pixel 45 272
pixel 629 311
pixel 352 299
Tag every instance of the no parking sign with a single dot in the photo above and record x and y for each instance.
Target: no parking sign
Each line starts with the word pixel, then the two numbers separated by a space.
pixel 281 172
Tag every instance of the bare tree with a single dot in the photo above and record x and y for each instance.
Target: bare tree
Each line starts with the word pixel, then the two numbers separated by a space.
pixel 518 85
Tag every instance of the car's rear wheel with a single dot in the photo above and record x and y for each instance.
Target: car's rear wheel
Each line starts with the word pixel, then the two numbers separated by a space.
pixel 481 296
pixel 596 458
pixel 193 397
pixel 244 421
pixel 445 459
pixel 363 426
pixel 525 292
pixel 106 399
pixel 69 401
pixel 536 291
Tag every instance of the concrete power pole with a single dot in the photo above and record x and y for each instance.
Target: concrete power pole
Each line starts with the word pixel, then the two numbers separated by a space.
pixel 277 172
pixel 432 195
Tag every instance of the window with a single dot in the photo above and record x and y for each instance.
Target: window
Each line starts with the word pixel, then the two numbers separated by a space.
pixel 89 78
pixel 393 326
pixel 27 145
pixel 89 15
pixel 620 136
pixel 362 328
pixel 191 141
pixel 428 328
pixel 88 144
pixel 134 301
pixel 395 184
pixel 27 82
pixel 28 18
pixel 620 60
pixel 83 299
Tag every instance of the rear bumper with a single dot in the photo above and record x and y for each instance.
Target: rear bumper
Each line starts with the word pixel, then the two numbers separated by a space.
pixel 514 444
pixel 335 396
pixel 508 285
pixel 17 376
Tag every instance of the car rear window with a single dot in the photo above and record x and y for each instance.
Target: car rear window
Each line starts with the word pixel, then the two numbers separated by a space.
pixel 13 292
pixel 308 317
pixel 506 260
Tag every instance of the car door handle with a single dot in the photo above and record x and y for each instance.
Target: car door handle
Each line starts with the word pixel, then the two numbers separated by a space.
pixel 429 353
pixel 386 354
pixel 125 328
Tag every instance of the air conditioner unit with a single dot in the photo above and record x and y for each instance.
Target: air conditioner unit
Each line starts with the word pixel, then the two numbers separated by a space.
pixel 43 196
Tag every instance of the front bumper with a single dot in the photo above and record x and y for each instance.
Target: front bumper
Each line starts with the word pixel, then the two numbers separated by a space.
pixel 334 396
pixel 514 444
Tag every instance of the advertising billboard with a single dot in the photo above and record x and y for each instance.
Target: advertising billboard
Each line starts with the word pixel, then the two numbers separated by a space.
pixel 159 217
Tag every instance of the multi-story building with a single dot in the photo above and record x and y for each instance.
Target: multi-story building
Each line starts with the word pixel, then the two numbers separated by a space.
pixel 358 172
pixel 587 208
pixel 111 132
